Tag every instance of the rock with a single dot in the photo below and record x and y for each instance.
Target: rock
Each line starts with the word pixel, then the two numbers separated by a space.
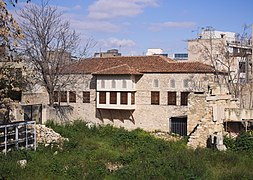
pixel 22 163
pixel 165 136
pixel 113 166
pixel 48 136
pixel 90 125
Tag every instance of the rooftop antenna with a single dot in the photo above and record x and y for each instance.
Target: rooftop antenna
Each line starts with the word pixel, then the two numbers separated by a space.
pixel 120 48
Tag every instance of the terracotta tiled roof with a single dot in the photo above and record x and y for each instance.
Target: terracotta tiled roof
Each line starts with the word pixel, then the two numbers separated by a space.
pixel 136 65
pixel 120 69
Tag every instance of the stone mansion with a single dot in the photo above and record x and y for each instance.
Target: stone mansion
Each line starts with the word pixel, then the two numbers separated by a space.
pixel 148 92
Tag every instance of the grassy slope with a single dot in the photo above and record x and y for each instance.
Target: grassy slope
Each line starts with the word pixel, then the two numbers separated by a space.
pixel 142 156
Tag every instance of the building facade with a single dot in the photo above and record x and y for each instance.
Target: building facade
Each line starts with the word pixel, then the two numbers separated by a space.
pixel 149 92
pixel 225 51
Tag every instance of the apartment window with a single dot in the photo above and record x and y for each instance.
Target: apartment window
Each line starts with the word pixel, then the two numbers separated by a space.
pixel 242 67
pixel 155 97
pixel 172 98
pixel 113 97
pixel 72 96
pixel 102 97
pixel 102 84
pixel 184 98
pixel 124 84
pixel 123 98
pixel 86 97
pixel 113 84
pixel 186 83
pixel 156 83
pixel 172 83
pixel 132 98
pixel 56 96
pixel 63 96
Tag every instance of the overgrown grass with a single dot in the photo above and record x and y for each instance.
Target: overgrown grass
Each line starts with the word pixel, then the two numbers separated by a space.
pixel 143 157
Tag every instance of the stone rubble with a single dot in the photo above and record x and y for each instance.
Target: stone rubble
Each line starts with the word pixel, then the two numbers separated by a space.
pixel 166 136
pixel 111 167
pixel 22 163
pixel 48 136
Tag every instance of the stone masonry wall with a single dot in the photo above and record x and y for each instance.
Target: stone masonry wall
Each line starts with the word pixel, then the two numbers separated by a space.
pixel 209 119
pixel 146 116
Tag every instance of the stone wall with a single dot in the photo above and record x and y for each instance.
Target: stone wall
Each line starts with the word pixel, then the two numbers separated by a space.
pixel 206 117
pixel 146 116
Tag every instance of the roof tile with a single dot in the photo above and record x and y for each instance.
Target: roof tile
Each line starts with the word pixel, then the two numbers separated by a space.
pixel 136 65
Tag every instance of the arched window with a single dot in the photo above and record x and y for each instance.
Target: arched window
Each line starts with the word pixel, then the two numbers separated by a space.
pixel 172 83
pixel 113 84
pixel 103 84
pixel 124 84
pixel 156 83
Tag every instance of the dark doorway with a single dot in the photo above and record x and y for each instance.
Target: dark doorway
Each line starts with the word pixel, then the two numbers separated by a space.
pixel 178 125
pixel 33 113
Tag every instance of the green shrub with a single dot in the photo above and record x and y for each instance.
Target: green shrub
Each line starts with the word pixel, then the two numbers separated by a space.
pixel 244 142
pixel 88 151
pixel 229 142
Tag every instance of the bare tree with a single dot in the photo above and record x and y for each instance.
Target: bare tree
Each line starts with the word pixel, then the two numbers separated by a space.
pixel 230 57
pixel 49 42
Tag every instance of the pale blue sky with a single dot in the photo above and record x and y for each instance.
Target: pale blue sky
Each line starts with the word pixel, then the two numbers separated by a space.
pixel 136 25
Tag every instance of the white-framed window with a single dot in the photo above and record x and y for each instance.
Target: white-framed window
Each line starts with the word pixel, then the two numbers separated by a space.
pixel 102 84
pixel 113 84
pixel 186 83
pixel 124 84
pixel 172 83
pixel 156 83
pixel 133 83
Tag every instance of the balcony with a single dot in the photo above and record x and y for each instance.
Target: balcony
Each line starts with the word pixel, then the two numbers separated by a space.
pixel 116 100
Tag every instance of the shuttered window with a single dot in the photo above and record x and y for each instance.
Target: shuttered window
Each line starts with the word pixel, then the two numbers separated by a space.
pixel 102 97
pixel 72 96
pixel 63 96
pixel 172 98
pixel 86 97
pixel 123 98
pixel 113 97
pixel 184 98
pixel 56 96
pixel 155 97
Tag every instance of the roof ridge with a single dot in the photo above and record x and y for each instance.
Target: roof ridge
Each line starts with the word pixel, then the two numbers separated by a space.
pixel 166 59
pixel 113 67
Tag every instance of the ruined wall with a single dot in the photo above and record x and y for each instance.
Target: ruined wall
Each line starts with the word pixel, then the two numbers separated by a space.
pixel 209 119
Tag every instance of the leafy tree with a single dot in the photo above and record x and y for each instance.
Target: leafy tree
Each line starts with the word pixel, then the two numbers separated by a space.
pixel 9 28
pixel 11 80
pixel 11 85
